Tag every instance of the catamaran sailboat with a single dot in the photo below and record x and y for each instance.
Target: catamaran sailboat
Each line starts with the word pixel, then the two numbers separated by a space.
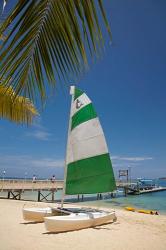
pixel 88 170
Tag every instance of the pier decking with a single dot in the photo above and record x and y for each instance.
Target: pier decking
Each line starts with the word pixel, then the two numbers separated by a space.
pixel 28 185
pixel 15 188
pixel 45 185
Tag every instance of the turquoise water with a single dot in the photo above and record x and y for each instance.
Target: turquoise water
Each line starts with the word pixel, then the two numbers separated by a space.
pixel 152 201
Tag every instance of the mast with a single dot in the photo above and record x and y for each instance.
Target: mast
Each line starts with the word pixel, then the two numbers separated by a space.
pixel 72 89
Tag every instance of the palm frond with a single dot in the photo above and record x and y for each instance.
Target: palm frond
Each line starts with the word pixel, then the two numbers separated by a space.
pixel 17 109
pixel 49 41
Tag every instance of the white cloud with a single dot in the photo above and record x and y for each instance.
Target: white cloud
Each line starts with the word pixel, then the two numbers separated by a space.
pixel 12 161
pixel 43 167
pixel 38 123
pixel 123 161
pixel 39 132
pixel 46 162
pixel 134 159
pixel 40 135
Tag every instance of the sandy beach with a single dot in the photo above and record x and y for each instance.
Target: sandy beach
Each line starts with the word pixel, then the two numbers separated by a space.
pixel 131 231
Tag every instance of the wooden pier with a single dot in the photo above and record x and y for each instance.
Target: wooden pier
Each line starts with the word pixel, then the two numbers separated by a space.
pixel 15 188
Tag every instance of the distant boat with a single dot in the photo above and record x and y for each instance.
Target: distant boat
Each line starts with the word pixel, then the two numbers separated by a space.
pixel 88 170
pixel 145 186
pixel 162 178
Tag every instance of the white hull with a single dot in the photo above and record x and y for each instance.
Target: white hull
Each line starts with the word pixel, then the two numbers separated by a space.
pixel 36 214
pixel 76 221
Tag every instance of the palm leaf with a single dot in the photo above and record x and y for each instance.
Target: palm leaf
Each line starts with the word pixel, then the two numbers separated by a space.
pixel 17 109
pixel 49 41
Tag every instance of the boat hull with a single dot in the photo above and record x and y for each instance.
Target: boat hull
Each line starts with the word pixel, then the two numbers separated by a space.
pixel 36 214
pixel 77 221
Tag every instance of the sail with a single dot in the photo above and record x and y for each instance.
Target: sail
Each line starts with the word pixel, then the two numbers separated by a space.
pixel 89 169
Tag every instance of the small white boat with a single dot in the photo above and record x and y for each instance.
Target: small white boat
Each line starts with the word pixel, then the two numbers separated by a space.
pixel 77 221
pixel 88 170
pixel 88 167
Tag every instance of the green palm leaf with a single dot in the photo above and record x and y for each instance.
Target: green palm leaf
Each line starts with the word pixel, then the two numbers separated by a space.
pixel 49 41
pixel 17 109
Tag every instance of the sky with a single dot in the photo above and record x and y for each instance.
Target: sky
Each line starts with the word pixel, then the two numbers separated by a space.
pixel 128 89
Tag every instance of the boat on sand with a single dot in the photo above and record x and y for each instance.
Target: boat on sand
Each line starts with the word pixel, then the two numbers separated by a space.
pixel 80 220
pixel 88 169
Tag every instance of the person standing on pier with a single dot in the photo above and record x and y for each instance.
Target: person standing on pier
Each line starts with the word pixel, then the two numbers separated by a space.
pixel 53 178
pixel 34 178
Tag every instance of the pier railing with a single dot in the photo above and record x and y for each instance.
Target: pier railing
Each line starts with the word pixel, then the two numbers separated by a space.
pixel 17 184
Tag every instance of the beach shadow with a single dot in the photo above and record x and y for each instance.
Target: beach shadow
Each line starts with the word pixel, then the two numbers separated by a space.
pixel 47 233
pixel 71 231
pixel 31 222
pixel 106 228
pixel 100 227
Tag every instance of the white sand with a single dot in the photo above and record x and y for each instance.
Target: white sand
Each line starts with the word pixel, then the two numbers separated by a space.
pixel 131 231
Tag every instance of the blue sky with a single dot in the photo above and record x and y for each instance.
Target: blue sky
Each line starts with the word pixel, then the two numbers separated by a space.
pixel 128 88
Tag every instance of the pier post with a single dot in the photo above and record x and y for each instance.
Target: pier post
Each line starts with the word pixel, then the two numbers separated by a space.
pixel 8 196
pixel 53 195
pixel 125 191
pixel 113 195
pixel 99 196
pixel 19 196
pixel 38 196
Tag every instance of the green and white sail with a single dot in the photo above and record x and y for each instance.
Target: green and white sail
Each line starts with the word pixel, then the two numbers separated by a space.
pixel 88 165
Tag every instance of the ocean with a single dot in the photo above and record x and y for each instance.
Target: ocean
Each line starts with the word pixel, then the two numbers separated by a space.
pixel 152 201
